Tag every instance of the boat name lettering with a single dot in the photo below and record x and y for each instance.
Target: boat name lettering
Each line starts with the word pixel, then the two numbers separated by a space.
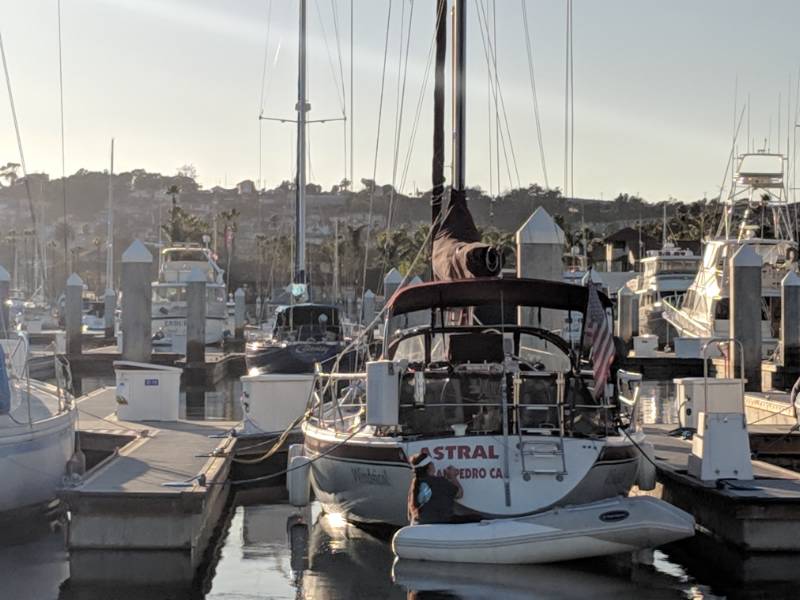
pixel 151 381
pixel 462 452
pixel 368 476
pixel 476 473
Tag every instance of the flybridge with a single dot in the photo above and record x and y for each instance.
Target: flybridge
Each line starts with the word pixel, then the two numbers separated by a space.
pixel 761 170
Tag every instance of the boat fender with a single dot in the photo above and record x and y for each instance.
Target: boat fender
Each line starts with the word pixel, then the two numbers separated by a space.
pixel 294 450
pixel 297 481
pixel 646 473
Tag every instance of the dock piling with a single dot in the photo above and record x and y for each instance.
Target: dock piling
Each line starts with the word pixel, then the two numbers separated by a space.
pixel 790 319
pixel 745 315
pixel 540 247
pixel 5 292
pixel 73 313
pixel 196 318
pixel 391 283
pixel 627 307
pixel 137 303
pixel 239 313
pixel 109 309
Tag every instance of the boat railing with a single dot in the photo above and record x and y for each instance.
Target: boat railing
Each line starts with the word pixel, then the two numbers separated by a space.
pixel 446 402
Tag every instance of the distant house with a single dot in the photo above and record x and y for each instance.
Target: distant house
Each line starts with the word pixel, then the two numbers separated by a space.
pixel 624 248
pixel 246 187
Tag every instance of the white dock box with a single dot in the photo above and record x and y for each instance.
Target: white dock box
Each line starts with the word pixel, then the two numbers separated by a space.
pixel 272 401
pixel 383 393
pixel 147 392
pixel 724 396
pixel 645 346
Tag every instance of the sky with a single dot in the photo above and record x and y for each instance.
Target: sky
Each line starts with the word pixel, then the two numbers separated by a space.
pixel 180 82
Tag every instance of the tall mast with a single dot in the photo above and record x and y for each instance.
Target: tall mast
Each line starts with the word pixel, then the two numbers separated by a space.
pixel 664 228
pixel 459 92
pixel 110 231
pixel 438 119
pixel 300 192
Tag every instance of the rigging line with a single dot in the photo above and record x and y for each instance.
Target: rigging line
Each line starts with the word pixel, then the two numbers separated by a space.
pixel 571 103
pixel 566 105
pixel 496 93
pixel 330 58
pixel 352 119
pixel 63 153
pixel 529 49
pixel 37 242
pixel 377 146
pixel 721 225
pixel 497 86
pixel 499 94
pixel 489 122
pixel 401 97
pixel 420 102
pixel 261 97
pixel 341 80
pixel 400 104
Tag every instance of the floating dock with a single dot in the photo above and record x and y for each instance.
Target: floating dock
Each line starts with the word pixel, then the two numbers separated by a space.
pixel 145 514
pixel 759 515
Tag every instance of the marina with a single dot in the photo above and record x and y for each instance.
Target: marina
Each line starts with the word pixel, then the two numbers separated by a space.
pixel 420 379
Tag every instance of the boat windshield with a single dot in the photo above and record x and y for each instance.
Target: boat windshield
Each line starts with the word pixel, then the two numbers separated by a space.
pixel 185 255
pixel 305 322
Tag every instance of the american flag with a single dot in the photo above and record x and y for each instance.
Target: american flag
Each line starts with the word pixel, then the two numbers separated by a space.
pixel 598 338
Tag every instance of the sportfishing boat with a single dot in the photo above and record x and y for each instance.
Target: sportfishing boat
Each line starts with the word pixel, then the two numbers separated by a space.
pixel 37 433
pixel 666 275
pixel 169 295
pixel 757 215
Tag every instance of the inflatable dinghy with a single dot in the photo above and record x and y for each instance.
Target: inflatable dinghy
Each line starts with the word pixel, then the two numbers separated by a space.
pixel 567 533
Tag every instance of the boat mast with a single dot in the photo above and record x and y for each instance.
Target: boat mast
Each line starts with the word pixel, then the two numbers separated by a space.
pixel 664 228
pixel 110 231
pixel 459 95
pixel 300 191
pixel 438 120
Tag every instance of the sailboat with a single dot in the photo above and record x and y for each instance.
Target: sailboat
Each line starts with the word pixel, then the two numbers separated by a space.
pixel 305 334
pixel 510 405
pixel 756 215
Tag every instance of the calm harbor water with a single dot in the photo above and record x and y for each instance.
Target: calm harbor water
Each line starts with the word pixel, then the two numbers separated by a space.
pixel 272 551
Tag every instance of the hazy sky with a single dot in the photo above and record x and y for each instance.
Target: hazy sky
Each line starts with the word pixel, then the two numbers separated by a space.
pixel 179 81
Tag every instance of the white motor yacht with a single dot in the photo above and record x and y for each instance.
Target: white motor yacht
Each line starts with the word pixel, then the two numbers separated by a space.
pixel 169 296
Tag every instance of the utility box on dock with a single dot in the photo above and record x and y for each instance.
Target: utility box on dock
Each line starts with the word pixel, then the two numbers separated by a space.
pixel 271 402
pixel 645 346
pixel 721 448
pixel 724 396
pixel 147 392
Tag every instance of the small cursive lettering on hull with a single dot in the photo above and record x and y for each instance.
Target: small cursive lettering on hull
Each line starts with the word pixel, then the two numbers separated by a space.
pixel 369 476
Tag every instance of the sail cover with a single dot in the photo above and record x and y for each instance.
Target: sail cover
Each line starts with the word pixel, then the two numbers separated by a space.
pixel 458 252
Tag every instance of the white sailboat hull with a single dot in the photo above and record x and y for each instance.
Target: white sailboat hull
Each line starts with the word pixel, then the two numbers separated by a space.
pixel 33 460
pixel 368 479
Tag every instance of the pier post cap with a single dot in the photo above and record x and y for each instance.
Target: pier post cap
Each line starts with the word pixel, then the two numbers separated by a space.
pixel 137 253
pixel 746 257
pixel 110 292
pixel 791 279
pixel 625 291
pixel 4 275
pixel 415 280
pixel 393 276
pixel 369 294
pixel 74 280
pixel 239 293
pixel 540 228
pixel 196 276
pixel 591 276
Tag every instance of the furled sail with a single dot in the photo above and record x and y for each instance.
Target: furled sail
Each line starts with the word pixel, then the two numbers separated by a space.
pixel 458 252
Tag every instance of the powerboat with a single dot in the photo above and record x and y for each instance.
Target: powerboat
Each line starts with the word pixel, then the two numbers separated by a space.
pixel 169 295
pixel 756 215
pixel 37 434
pixel 511 406
pixel 666 275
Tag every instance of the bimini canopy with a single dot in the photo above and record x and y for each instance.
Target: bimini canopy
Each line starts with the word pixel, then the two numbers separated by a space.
pixel 490 291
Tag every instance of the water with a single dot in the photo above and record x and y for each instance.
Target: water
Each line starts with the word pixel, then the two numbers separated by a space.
pixel 271 551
